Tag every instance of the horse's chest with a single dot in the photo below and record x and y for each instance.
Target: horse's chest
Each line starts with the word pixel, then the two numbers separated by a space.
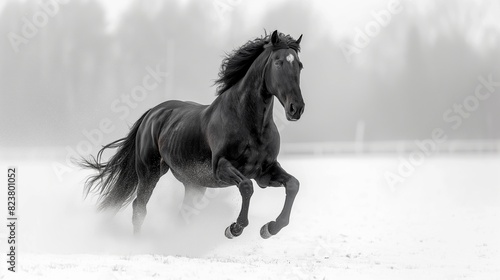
pixel 253 157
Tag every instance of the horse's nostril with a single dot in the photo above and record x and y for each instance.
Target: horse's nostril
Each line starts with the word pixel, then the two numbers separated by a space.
pixel 292 109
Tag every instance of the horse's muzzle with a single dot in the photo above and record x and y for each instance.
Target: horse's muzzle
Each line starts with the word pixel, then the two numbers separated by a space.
pixel 294 111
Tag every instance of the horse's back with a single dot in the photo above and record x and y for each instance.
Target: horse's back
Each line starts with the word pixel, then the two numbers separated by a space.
pixel 178 105
pixel 173 110
pixel 162 119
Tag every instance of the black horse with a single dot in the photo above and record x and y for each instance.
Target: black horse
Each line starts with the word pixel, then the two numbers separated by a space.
pixel 228 142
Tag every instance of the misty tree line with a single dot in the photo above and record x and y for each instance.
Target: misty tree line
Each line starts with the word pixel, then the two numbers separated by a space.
pixel 66 78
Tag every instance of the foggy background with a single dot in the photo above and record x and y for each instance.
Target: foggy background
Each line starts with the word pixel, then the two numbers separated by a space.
pixel 82 60
pixel 397 151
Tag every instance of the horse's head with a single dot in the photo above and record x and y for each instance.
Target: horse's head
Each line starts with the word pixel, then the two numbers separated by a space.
pixel 282 76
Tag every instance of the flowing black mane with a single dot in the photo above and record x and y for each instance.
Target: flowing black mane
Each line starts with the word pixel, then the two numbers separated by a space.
pixel 236 64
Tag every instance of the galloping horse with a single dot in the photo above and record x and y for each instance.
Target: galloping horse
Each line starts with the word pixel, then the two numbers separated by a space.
pixel 228 142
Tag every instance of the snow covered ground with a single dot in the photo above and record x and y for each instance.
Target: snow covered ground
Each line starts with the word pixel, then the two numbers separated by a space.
pixel 443 222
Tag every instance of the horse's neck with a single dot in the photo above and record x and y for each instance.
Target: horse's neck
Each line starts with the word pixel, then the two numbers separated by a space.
pixel 254 105
pixel 257 108
pixel 255 101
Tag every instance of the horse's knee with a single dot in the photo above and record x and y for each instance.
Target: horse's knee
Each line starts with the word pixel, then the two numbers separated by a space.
pixel 246 188
pixel 292 186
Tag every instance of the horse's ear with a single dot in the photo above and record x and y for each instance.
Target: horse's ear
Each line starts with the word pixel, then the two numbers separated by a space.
pixel 275 38
pixel 298 40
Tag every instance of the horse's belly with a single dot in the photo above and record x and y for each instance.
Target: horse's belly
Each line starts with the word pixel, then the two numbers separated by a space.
pixel 199 173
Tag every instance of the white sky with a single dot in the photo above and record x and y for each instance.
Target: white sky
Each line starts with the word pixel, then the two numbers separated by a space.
pixel 339 16
pixel 338 13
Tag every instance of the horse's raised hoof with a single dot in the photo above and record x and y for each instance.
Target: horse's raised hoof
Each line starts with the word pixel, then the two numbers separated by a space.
pixel 233 230
pixel 264 231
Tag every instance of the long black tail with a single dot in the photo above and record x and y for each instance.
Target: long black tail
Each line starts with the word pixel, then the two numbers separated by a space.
pixel 116 180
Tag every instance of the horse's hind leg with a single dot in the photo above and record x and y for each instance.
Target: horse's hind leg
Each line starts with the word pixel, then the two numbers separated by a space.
pixel 148 177
pixel 194 201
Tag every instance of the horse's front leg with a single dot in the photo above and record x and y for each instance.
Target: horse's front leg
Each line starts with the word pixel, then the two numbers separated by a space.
pixel 227 173
pixel 276 176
